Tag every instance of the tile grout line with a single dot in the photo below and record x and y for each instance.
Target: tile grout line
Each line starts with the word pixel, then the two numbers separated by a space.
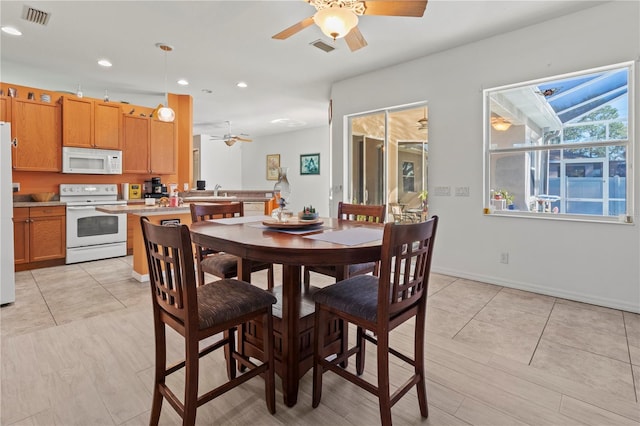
pixel 44 299
pixel 626 336
pixel 542 332
pixel 477 312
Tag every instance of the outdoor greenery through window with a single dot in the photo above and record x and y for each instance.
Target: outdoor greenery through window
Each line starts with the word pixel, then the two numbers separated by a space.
pixel 561 147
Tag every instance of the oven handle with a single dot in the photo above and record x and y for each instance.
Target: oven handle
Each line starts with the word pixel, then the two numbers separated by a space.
pixel 81 208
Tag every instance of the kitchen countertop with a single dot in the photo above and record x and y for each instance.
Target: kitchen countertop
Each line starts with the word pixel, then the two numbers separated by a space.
pixel 38 203
pixel 142 209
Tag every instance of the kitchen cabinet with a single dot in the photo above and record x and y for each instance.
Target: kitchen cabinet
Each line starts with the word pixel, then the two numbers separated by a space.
pixel 148 146
pixel 88 123
pixel 39 233
pixel 135 153
pixel 36 131
pixel 5 109
pixel 163 153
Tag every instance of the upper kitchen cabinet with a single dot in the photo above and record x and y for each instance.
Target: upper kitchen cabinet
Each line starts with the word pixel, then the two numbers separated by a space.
pixel 5 109
pixel 88 123
pixel 163 147
pixel 149 146
pixel 135 153
pixel 36 131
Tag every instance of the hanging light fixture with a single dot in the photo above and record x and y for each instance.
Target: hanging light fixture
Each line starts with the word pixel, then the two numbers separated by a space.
pixel 500 124
pixel 165 113
pixel 336 21
pixel 422 123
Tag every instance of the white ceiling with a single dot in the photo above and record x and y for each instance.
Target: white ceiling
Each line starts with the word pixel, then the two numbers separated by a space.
pixel 218 43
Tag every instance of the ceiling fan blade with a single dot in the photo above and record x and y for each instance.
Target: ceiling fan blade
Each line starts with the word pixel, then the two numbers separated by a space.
pixel 243 139
pixel 396 8
pixel 294 29
pixel 355 40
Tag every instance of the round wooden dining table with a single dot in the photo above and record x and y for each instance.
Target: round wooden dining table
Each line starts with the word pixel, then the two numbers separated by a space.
pixel 252 241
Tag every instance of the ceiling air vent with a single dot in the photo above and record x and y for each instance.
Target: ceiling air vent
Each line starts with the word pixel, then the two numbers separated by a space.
pixel 322 46
pixel 34 15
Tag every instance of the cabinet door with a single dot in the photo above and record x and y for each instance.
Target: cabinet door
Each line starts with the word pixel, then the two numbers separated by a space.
pixel 108 119
pixel 163 153
pixel 47 236
pixel 77 122
pixel 37 129
pixel 5 109
pixel 21 235
pixel 135 135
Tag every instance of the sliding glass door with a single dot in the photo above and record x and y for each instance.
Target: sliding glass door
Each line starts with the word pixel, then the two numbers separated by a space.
pixel 389 158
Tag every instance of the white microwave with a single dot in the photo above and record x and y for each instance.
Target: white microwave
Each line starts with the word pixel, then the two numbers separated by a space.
pixel 91 161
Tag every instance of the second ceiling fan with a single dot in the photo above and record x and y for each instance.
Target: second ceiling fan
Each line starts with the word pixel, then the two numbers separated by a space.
pixel 229 138
pixel 339 18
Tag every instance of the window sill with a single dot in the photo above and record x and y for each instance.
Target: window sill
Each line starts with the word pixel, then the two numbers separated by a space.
pixel 624 220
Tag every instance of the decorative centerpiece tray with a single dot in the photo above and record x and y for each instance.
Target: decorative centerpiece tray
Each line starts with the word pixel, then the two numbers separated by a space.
pixel 292 223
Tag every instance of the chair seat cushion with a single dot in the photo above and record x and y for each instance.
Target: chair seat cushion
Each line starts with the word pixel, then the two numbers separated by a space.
pixel 221 265
pixel 357 269
pixel 226 299
pixel 357 296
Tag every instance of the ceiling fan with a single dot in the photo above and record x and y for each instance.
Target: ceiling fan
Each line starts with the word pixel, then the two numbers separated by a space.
pixel 339 18
pixel 229 138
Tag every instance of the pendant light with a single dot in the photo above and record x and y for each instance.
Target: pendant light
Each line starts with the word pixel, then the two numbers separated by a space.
pixel 165 113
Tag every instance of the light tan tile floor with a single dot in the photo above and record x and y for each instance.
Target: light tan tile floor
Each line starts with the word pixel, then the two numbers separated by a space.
pixel 77 349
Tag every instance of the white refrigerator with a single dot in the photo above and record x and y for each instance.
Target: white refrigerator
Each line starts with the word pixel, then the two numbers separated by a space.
pixel 7 275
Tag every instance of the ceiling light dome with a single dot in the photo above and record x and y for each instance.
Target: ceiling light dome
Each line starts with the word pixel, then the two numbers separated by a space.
pixel 335 21
pixel 166 114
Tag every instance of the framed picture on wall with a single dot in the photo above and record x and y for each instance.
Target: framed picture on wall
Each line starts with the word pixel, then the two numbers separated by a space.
pixel 273 164
pixel 310 164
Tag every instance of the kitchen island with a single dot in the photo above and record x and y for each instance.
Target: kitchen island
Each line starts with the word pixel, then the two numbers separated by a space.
pixel 182 214
pixel 157 215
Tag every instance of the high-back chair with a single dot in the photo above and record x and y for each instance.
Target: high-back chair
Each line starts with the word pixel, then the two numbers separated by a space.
pixel 358 212
pixel 379 305
pixel 222 265
pixel 196 313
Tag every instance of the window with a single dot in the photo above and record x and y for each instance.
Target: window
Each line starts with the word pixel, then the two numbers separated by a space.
pixel 561 147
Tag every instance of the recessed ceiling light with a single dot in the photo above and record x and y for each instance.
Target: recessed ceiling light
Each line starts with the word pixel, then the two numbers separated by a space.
pixel 241 84
pixel 183 82
pixel 12 31
pixel 104 63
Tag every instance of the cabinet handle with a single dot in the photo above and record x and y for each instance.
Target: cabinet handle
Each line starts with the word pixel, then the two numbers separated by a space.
pixel 14 142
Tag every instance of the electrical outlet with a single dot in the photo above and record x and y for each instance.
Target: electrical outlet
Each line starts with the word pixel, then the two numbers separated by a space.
pixel 504 258
pixel 16 186
pixel 462 191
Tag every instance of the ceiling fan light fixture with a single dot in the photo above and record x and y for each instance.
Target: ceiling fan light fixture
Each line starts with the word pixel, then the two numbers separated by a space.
pixel 230 142
pixel 500 124
pixel 336 22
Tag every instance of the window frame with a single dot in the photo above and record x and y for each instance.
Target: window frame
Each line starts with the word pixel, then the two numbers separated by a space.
pixel 629 144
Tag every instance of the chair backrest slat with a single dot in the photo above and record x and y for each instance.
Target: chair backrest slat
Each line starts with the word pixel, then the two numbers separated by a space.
pixel 215 211
pixel 171 269
pixel 405 266
pixel 361 212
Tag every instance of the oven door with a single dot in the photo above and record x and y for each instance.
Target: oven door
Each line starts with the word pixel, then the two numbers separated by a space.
pixel 88 227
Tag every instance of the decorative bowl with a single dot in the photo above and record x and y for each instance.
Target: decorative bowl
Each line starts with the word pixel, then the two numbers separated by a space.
pixel 43 196
pixel 307 216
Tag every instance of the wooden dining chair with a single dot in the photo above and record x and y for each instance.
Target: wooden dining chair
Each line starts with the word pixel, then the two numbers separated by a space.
pixel 357 212
pixel 379 305
pixel 196 313
pixel 216 263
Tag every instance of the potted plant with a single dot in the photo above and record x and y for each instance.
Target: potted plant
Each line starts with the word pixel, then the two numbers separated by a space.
pixel 504 195
pixel 423 196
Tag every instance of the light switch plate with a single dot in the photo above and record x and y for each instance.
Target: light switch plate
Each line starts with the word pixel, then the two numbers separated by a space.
pixel 16 186
pixel 442 191
pixel 462 191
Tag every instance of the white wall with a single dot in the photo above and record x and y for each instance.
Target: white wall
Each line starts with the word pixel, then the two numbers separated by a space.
pixel 220 164
pixel 307 189
pixel 592 262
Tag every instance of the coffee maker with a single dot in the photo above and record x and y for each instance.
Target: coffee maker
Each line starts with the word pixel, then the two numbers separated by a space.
pixel 154 188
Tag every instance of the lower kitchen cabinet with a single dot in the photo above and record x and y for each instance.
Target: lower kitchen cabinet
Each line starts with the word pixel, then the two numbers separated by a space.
pixel 39 235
